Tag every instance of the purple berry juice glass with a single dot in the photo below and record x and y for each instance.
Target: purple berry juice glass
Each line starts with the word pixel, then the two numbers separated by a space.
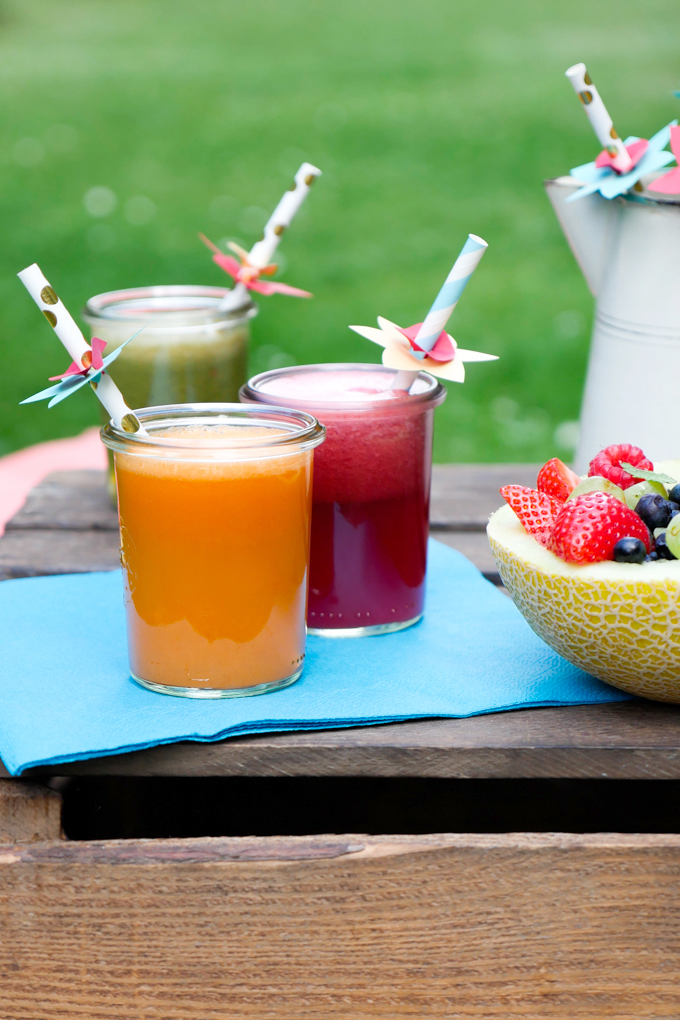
pixel 371 492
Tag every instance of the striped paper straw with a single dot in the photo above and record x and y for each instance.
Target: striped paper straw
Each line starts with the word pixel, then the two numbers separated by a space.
pixel 446 300
pixel 261 252
pixel 449 296
pixel 597 114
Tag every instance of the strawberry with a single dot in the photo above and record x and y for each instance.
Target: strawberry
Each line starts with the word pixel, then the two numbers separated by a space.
pixel 588 527
pixel 556 479
pixel 607 464
pixel 536 510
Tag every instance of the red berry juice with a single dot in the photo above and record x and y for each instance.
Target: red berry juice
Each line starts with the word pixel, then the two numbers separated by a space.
pixel 371 491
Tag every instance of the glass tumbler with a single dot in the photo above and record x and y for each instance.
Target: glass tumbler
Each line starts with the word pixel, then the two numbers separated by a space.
pixel 371 492
pixel 194 345
pixel 214 506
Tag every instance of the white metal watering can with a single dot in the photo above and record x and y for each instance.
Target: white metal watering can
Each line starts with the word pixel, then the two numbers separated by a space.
pixel 629 251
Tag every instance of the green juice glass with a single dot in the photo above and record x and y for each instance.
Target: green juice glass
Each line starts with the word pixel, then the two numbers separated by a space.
pixel 193 348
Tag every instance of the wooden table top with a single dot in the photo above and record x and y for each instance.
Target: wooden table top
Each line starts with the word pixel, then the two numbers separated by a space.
pixel 632 740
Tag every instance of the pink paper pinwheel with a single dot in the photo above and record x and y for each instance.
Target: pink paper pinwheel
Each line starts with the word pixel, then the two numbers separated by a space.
pixel 445 360
pixel 91 360
pixel 426 345
pixel 247 274
pixel 610 158
pixel 257 262
pixel 669 184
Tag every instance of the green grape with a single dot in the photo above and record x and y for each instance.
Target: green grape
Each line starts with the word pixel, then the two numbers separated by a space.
pixel 634 492
pixel 673 536
pixel 597 484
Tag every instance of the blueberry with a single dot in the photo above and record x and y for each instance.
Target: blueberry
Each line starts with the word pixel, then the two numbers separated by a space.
pixel 661 549
pixel 654 510
pixel 630 550
pixel 651 557
pixel 674 494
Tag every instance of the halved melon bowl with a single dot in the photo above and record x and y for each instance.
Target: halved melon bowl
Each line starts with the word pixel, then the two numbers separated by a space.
pixel 618 621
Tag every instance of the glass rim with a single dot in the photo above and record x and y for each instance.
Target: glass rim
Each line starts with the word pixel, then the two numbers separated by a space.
pixel 136 304
pixel 308 433
pixel 433 396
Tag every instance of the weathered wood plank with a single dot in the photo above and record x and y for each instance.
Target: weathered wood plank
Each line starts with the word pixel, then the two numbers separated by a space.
pixel 70 500
pixel 42 538
pixel 28 812
pixel 617 741
pixel 32 553
pixel 465 495
pixel 629 740
pixel 507 926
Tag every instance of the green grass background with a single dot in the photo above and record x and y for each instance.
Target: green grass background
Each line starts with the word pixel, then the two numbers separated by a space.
pixel 429 118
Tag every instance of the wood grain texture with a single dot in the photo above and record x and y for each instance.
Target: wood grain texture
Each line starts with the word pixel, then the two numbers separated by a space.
pixel 465 495
pixel 69 500
pixel 510 926
pixel 629 740
pixel 33 553
pixel 43 537
pixel 636 740
pixel 28 812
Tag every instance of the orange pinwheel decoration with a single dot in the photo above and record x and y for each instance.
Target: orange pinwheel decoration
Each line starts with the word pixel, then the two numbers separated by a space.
pixel 249 275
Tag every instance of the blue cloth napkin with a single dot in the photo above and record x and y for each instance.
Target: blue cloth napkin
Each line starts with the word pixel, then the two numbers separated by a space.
pixel 66 693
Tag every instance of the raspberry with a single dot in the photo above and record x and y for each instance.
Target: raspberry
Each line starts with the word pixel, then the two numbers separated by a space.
pixel 588 527
pixel 556 479
pixel 536 510
pixel 607 464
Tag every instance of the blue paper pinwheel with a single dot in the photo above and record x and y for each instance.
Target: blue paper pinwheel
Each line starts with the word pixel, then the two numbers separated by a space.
pixel 76 376
pixel 608 182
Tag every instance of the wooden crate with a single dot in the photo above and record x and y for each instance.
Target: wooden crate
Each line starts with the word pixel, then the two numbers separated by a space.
pixel 503 926
pixel 498 926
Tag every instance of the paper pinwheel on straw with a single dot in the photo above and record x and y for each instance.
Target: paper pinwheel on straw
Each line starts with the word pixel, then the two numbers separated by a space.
pixel 256 262
pixel 426 346
pixel 620 165
pixel 669 184
pixel 88 366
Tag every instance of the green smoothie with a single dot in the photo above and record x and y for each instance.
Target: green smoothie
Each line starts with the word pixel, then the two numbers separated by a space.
pixel 193 348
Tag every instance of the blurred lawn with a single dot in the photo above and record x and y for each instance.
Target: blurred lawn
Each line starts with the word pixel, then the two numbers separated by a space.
pixel 429 118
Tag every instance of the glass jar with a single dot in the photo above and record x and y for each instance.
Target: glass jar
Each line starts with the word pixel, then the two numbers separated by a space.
pixel 214 506
pixel 194 345
pixel 370 519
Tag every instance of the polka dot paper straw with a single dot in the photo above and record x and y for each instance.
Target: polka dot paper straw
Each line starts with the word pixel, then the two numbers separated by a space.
pixel 261 252
pixel 77 346
pixel 600 120
pixel 57 316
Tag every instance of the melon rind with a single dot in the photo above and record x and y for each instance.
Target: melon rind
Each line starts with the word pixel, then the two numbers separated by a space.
pixel 618 621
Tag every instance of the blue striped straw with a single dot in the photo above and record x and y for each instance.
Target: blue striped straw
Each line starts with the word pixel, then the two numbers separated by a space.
pixel 449 296
pixel 446 300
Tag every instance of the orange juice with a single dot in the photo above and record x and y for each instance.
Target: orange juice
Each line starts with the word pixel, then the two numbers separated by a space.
pixel 215 525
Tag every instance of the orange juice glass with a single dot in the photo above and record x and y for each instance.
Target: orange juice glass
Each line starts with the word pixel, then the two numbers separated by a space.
pixel 215 506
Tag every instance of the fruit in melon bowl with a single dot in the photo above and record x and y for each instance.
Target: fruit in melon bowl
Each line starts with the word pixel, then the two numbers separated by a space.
pixel 591 564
